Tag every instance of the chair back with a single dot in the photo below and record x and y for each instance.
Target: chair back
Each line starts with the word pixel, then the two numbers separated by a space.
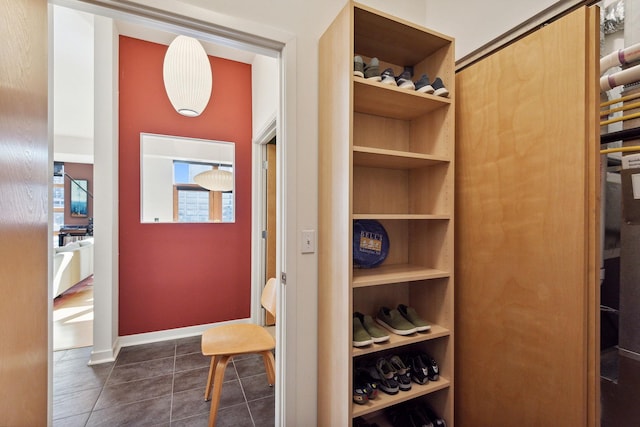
pixel 268 299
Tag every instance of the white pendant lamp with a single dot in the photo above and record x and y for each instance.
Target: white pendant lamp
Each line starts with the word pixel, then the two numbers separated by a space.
pixel 215 180
pixel 187 76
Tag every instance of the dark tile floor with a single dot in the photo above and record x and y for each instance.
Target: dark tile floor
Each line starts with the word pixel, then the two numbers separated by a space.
pixel 158 384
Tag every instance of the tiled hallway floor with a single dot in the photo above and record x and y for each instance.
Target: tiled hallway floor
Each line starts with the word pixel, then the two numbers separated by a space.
pixel 159 384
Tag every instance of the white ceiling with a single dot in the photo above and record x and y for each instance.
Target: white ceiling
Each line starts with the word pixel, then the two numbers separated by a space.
pixel 73 76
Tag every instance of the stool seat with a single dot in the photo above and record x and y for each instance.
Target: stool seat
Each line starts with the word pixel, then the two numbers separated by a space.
pixel 236 339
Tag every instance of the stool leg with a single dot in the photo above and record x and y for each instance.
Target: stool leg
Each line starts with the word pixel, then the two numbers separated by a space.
pixel 212 369
pixel 218 379
pixel 269 366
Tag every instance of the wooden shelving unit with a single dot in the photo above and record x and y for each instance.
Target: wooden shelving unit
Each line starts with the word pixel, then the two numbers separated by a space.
pixel 386 154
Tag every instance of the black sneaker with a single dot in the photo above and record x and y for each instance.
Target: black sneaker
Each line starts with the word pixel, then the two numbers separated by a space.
pixel 423 85
pixel 384 374
pixel 363 389
pixel 404 81
pixel 403 375
pixel 439 89
pixel 418 370
pixel 388 77
pixel 432 366
pixel 436 420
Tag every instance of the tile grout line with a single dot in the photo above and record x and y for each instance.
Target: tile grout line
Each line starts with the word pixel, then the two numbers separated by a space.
pixel 173 382
pixel 243 393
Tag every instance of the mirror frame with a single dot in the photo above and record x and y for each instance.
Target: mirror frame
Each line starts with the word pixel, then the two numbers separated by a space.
pixel 159 153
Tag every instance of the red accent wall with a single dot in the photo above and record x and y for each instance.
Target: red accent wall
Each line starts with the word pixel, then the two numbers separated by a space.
pixel 178 275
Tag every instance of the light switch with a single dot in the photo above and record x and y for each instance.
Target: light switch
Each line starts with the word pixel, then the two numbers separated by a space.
pixel 308 241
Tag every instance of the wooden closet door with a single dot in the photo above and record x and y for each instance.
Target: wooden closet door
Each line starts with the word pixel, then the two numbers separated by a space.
pixel 527 231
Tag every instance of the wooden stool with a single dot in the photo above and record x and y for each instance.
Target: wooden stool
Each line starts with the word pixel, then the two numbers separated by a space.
pixel 224 342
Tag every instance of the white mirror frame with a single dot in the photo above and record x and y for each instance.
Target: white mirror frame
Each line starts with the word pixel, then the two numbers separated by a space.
pixel 157 156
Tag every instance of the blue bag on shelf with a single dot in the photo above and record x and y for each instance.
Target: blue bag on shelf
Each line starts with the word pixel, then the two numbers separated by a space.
pixel 370 243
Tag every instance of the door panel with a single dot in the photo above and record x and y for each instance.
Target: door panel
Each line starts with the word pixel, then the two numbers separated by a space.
pixel 25 175
pixel 527 230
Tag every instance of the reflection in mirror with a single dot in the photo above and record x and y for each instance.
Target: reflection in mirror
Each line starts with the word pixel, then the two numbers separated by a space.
pixel 168 165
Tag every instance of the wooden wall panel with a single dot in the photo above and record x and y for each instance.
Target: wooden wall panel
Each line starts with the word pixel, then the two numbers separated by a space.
pixel 527 230
pixel 25 174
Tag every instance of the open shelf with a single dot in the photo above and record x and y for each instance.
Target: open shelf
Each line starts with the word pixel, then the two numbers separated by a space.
pixel 394 273
pixel 385 100
pixel 385 400
pixel 393 159
pixel 395 341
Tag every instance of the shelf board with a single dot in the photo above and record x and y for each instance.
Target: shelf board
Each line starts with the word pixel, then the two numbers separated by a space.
pixel 394 40
pixel 391 101
pixel 394 273
pixel 402 216
pixel 385 400
pixel 392 159
pixel 394 341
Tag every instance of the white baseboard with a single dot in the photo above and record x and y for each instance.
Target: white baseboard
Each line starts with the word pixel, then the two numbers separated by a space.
pixel 171 334
pixel 151 337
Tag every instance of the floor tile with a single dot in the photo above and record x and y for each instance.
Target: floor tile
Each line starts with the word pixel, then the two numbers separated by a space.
pixel 200 420
pixel 141 370
pixel 234 416
pixel 73 421
pixel 134 391
pixel 80 377
pixel 263 411
pixel 188 380
pixel 145 352
pixel 250 366
pixel 74 402
pixel 189 345
pixel 187 362
pixel 257 387
pixel 189 403
pixel 149 412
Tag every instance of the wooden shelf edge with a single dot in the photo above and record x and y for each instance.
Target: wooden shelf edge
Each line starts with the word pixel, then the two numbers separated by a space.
pixel 371 156
pixel 397 273
pixel 417 103
pixel 402 216
pixel 385 400
pixel 395 341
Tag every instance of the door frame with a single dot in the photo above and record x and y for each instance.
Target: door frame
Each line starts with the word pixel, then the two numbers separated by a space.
pixel 244 35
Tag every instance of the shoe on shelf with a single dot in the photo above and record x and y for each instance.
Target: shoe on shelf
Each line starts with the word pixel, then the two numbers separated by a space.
pixel 378 335
pixel 404 81
pixel 439 89
pixel 423 85
pixel 433 371
pixel 418 370
pixel 363 389
pixel 372 70
pixel 411 315
pixel 393 321
pixel 403 374
pixel 358 66
pixel 435 419
pixel 388 77
pixel 361 337
pixel 384 374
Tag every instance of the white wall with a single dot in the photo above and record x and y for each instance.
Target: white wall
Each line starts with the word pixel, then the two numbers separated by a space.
pixel 475 23
pixel 73 74
pixel 265 87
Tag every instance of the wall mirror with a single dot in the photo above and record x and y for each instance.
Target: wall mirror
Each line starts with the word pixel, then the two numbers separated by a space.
pixel 169 193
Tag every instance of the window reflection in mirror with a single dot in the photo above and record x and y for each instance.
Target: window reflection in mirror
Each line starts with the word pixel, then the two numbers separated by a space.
pixel 168 190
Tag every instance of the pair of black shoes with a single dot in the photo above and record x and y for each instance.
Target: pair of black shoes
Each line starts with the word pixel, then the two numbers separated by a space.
pixel 414 415
pixel 423 368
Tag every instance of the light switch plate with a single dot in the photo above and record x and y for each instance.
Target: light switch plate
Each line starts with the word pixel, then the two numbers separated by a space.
pixel 308 241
